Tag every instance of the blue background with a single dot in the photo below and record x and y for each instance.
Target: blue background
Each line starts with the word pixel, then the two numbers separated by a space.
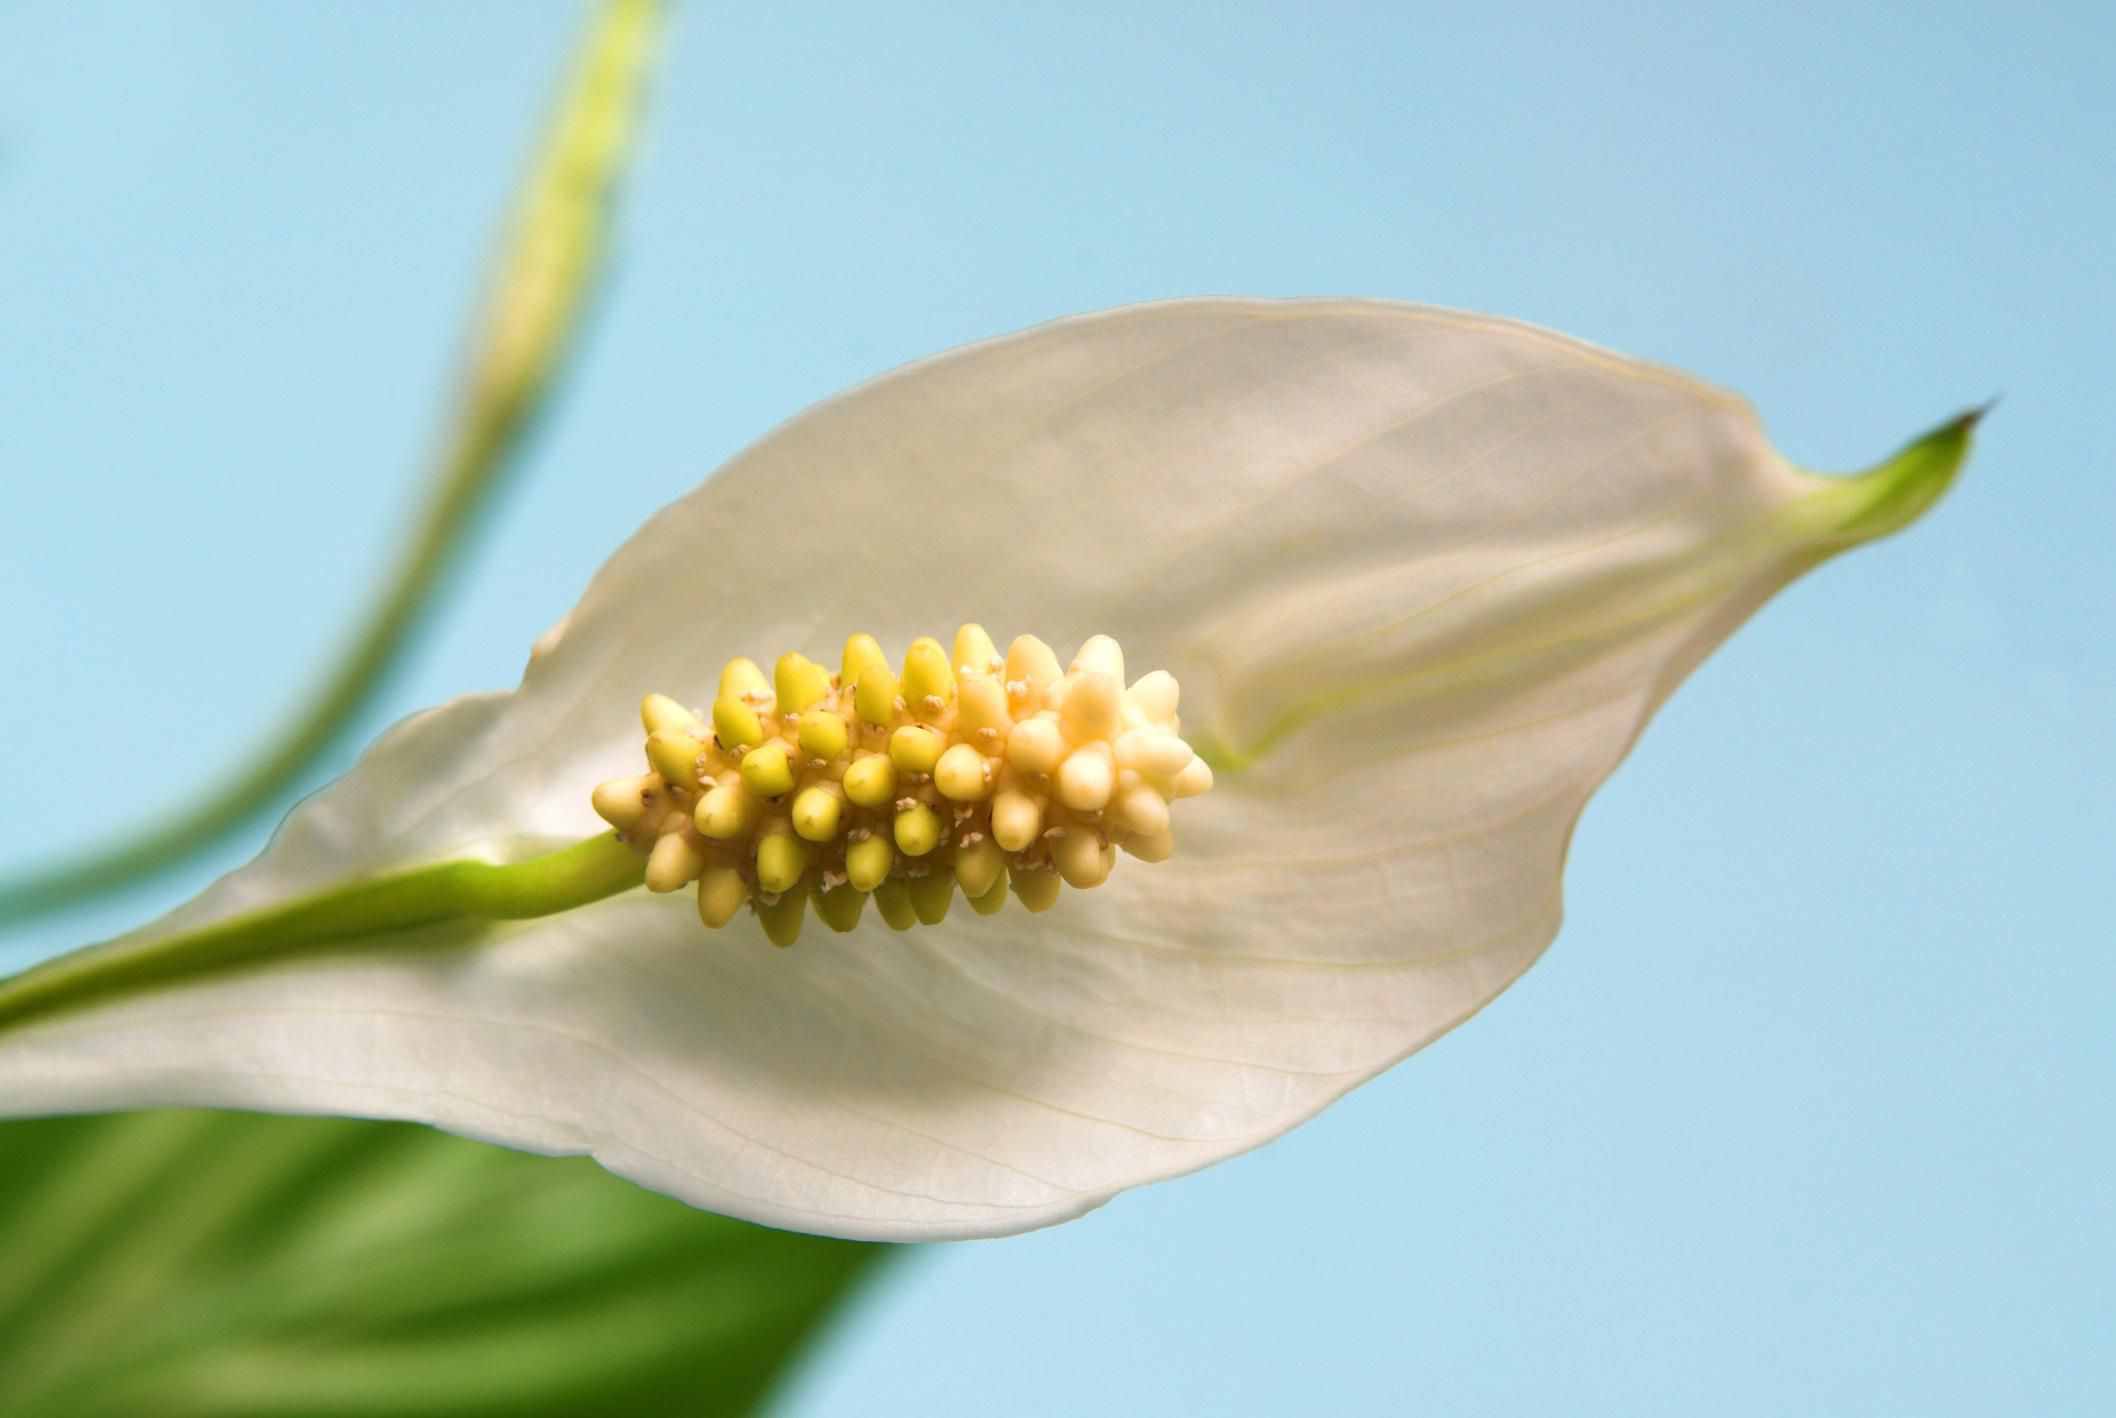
pixel 1810 1107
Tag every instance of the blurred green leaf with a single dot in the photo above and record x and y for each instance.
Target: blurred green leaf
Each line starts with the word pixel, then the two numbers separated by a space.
pixel 200 1263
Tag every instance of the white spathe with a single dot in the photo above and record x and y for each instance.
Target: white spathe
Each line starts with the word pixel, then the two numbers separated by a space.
pixel 1424 575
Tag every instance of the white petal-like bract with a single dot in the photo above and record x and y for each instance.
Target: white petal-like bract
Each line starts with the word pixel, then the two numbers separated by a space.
pixel 1423 576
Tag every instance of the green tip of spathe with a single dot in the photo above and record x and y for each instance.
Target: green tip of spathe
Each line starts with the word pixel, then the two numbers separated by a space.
pixel 1890 496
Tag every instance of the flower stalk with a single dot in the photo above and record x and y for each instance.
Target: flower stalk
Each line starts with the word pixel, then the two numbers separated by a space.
pixel 387 907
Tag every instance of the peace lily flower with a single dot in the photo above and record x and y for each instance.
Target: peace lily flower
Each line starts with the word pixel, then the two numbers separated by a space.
pixel 1422 576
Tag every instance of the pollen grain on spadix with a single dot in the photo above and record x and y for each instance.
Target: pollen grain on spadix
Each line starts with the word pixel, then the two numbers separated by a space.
pixel 969 770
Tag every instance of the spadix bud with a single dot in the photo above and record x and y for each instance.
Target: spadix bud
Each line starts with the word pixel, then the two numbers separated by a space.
pixel 929 685
pixel 1100 655
pixel 1155 695
pixel 735 723
pixel 781 917
pixel 766 771
pixel 1036 746
pixel 781 860
pixel 839 907
pixel 1036 888
pixel 978 865
pixel 982 717
pixel 674 863
pixel 816 811
pixel 875 695
pixel 1032 668
pixel 722 891
pixel 932 895
pixel 1077 853
pixel 658 711
pixel 893 899
pixel 861 652
pixel 975 654
pixel 1195 780
pixel 1151 849
pixel 1087 778
pixel 1157 754
pixel 1144 811
pixel 726 811
pixel 871 781
pixel 1017 820
pixel 961 774
pixel 867 862
pixel 742 679
pixel 798 682
pixel 993 900
pixel 917 830
pixel 1092 708
pixel 822 734
pixel 625 802
pixel 916 749
pixel 676 756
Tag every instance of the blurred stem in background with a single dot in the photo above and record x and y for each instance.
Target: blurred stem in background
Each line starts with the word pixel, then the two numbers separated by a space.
pixel 549 260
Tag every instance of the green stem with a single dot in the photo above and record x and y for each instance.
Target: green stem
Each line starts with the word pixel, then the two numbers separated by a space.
pixel 448 891
pixel 528 326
